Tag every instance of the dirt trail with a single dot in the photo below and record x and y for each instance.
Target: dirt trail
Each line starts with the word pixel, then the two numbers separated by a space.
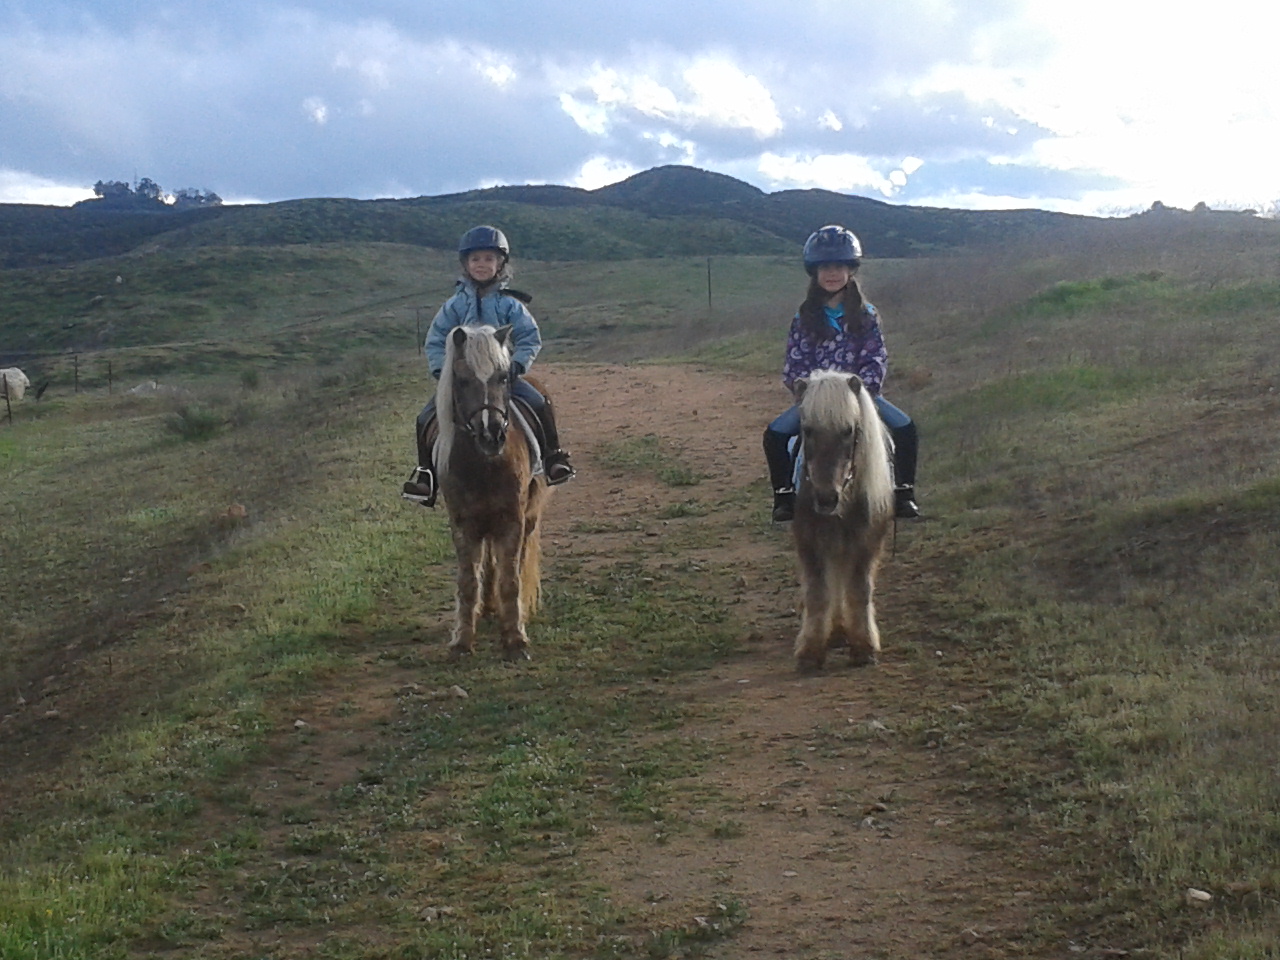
pixel 843 842
pixel 844 834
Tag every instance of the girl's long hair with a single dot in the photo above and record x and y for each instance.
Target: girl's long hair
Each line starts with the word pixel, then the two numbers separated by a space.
pixel 814 319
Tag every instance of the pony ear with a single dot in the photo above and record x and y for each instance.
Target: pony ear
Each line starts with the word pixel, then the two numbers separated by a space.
pixel 855 383
pixel 503 334
pixel 459 336
pixel 799 387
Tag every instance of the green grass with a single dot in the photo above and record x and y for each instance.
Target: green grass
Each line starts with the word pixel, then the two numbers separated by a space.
pixel 1100 566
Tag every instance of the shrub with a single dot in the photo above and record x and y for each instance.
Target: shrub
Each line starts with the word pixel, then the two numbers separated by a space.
pixel 193 422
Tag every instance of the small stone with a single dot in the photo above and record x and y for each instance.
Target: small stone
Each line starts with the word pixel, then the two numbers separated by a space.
pixel 458 692
pixel 1198 898
pixel 300 724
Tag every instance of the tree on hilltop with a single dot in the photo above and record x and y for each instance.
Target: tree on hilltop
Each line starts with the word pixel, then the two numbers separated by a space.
pixel 148 195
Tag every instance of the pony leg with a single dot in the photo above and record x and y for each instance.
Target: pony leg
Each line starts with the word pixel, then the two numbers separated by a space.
pixel 507 574
pixel 469 585
pixel 860 619
pixel 815 618
pixel 860 610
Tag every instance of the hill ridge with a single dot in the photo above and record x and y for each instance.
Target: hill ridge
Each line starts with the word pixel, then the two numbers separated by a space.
pixel 669 210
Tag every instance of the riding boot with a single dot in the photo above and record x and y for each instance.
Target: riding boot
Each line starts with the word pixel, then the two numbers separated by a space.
pixel 781 468
pixel 904 503
pixel 422 486
pixel 906 445
pixel 555 461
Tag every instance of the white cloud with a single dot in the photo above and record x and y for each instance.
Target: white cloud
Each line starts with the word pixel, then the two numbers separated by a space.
pixel 708 93
pixel 840 172
pixel 591 117
pixel 685 151
pixel 601 171
pixel 725 96
pixel 316 110
pixel 829 121
pixel 19 187
pixel 498 73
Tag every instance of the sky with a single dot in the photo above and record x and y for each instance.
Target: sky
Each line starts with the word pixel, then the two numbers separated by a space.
pixel 1100 107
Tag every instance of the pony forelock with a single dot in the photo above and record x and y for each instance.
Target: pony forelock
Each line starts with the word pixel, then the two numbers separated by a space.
pixel 830 403
pixel 484 355
pixel 482 352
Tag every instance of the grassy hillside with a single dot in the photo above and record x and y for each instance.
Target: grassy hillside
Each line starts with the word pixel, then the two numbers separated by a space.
pixel 667 211
pixel 1099 577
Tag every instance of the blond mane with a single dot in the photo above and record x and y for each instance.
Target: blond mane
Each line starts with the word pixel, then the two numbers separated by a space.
pixel 830 404
pixel 482 354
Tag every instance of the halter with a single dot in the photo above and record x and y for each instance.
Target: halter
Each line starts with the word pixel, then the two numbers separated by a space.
pixel 849 474
pixel 471 425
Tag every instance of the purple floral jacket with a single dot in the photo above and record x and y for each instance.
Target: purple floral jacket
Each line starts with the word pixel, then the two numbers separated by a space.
pixel 847 352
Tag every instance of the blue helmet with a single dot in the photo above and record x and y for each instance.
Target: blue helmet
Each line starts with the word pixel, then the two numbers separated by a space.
pixel 483 238
pixel 831 244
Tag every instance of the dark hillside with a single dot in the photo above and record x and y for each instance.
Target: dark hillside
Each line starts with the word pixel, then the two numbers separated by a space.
pixel 675 190
pixel 32 235
pixel 666 211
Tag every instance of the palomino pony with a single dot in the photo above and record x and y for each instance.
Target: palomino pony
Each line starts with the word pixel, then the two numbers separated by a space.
pixel 844 513
pixel 494 499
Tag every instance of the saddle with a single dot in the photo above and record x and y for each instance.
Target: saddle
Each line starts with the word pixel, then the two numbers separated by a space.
pixel 535 432
pixel 531 425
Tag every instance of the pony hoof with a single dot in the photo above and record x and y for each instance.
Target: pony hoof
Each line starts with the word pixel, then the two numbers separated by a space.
pixel 458 652
pixel 863 658
pixel 516 654
pixel 808 665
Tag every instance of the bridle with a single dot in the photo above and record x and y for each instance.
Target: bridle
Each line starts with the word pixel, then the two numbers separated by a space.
pixel 853 452
pixel 472 424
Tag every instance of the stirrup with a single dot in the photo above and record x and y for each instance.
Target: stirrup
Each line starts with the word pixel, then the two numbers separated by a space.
pixel 904 503
pixel 561 460
pixel 421 487
pixel 784 505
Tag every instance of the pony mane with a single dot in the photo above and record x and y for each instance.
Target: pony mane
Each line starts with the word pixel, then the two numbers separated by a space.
pixel 483 355
pixel 830 404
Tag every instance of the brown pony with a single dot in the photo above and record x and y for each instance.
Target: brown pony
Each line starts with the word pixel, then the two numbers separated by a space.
pixel 494 499
pixel 844 512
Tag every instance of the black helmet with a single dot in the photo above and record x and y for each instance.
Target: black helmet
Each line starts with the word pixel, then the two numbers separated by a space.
pixel 483 238
pixel 831 244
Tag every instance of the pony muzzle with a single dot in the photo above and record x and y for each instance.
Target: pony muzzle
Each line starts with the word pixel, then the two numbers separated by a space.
pixel 488 426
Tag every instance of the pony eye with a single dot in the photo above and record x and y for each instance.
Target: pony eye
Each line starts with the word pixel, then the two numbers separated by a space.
pixel 847 432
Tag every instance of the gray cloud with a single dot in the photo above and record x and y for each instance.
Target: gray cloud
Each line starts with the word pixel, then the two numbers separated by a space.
pixel 401 98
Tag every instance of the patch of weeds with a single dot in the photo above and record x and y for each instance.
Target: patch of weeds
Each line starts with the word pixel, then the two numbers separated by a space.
pixel 696 937
pixel 679 476
pixel 683 508
pixel 192 422
pixel 649 453
pixel 728 830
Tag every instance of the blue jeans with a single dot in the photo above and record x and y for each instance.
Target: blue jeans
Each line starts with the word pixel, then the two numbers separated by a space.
pixel 787 425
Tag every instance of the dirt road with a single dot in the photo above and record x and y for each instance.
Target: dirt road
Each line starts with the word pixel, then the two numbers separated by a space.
pixel 851 838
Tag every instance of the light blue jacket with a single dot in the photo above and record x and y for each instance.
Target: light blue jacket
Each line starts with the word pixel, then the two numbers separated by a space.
pixel 496 308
